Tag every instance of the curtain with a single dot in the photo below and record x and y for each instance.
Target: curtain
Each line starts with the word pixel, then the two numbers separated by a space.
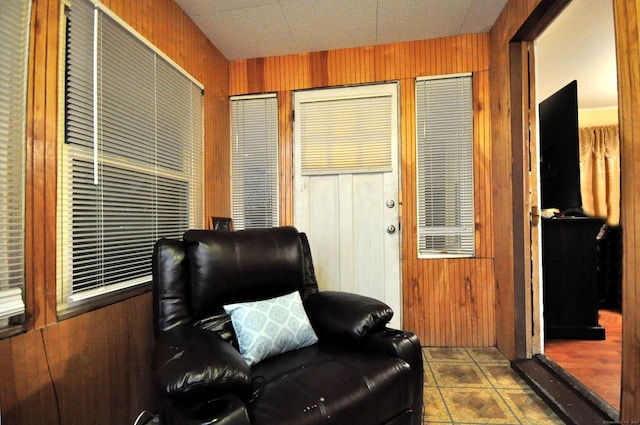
pixel 600 172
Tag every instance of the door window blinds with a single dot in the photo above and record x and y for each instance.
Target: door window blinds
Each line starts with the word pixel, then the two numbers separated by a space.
pixel 254 134
pixel 444 114
pixel 346 135
pixel 14 49
pixel 131 167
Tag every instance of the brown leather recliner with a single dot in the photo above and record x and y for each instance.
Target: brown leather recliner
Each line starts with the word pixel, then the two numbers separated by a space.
pixel 359 372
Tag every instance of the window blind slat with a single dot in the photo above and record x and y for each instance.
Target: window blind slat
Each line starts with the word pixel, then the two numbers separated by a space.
pixel 444 127
pixel 14 21
pixel 254 133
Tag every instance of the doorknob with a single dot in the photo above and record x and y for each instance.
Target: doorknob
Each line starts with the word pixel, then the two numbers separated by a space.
pixel 391 229
pixel 390 203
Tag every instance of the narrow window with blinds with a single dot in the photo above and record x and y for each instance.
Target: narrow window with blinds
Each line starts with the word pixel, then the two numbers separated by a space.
pixel 14 49
pixel 254 175
pixel 131 162
pixel 444 126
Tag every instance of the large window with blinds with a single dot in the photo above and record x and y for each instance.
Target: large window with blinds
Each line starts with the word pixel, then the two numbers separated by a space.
pixel 444 127
pixel 14 49
pixel 131 161
pixel 254 174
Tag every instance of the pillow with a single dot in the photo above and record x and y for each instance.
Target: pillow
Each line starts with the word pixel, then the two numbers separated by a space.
pixel 270 327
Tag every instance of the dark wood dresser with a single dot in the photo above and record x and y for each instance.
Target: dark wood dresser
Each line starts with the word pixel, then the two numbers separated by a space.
pixel 570 276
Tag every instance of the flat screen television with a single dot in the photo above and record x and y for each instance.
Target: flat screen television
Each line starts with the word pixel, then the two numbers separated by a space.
pixel 559 150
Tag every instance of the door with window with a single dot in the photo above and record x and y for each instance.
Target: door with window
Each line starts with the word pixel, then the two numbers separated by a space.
pixel 346 188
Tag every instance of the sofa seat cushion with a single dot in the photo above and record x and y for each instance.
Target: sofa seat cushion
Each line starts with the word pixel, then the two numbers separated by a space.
pixel 323 384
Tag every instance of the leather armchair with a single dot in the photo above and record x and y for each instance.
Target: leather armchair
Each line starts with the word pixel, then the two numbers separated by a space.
pixel 358 372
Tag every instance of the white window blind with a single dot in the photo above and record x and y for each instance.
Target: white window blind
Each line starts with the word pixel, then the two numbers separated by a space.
pixel 254 134
pixel 444 126
pixel 14 49
pixel 346 135
pixel 131 166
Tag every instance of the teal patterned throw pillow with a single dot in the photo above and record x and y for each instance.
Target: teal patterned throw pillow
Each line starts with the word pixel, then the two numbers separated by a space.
pixel 270 327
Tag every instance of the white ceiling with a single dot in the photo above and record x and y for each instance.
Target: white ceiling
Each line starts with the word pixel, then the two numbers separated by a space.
pixel 243 29
pixel 579 44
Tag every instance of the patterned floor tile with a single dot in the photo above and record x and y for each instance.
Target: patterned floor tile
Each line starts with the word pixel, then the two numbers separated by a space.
pixel 502 376
pixel 465 386
pixel 435 409
pixel 466 375
pixel 529 408
pixel 477 406
pixel 434 354
pixel 429 379
pixel 482 355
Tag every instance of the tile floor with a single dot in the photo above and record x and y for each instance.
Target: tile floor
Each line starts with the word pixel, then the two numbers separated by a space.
pixel 478 386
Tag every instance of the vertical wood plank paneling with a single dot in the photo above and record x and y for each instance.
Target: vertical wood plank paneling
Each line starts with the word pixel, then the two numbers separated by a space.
pixel 36 168
pixel 30 293
pixel 94 368
pixel 32 398
pixel 285 152
pixel 50 161
pixel 446 302
pixel 512 17
pixel 626 13
pixel 58 375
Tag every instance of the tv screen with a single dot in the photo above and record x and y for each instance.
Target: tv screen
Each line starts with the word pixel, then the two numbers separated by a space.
pixel 559 150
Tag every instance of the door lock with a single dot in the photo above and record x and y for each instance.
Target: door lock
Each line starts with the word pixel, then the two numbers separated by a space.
pixel 391 229
pixel 390 203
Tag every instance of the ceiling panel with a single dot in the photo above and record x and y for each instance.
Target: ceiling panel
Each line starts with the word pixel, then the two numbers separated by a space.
pixel 411 20
pixel 330 24
pixel 243 29
pixel 247 32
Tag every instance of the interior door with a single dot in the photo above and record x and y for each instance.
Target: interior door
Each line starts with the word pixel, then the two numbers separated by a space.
pixel 350 212
pixel 527 296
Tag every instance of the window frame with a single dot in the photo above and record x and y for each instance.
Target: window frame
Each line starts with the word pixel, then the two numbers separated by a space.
pixel 69 301
pixel 241 213
pixel 463 230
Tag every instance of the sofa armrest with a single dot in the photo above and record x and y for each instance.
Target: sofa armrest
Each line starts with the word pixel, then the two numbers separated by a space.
pixel 197 364
pixel 346 317
pixel 406 346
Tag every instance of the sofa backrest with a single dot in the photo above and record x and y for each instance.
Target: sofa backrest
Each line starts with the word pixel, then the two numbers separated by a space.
pixel 195 277
pixel 229 267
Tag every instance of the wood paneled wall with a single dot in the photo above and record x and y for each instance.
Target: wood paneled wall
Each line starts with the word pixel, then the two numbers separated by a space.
pixel 446 302
pixel 627 14
pixel 94 368
pixel 509 22
pixel 90 369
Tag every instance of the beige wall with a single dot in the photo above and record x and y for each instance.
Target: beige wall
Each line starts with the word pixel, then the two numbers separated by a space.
pixel 597 117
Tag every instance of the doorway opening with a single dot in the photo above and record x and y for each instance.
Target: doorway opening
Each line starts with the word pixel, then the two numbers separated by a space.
pixel 537 83
pixel 579 47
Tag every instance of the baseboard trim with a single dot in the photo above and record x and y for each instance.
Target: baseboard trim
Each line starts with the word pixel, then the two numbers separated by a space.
pixel 569 398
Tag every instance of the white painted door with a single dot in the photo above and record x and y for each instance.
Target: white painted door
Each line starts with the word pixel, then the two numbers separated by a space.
pixel 351 214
